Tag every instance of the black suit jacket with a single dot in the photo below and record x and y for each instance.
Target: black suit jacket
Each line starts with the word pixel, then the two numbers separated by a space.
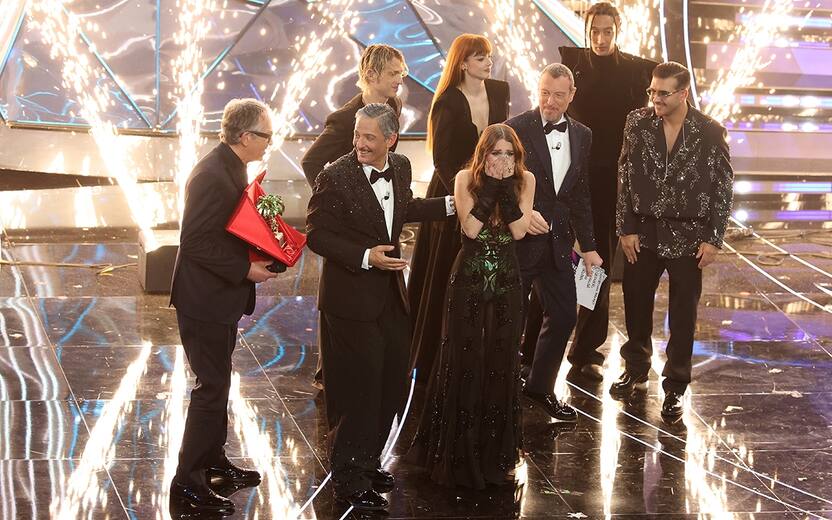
pixel 568 211
pixel 336 138
pixel 344 219
pixel 455 134
pixel 209 277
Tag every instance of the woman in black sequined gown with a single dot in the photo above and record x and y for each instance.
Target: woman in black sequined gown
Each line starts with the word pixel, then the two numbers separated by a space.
pixel 470 430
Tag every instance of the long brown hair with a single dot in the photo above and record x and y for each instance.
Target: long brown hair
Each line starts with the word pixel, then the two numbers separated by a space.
pixel 488 140
pixel 463 47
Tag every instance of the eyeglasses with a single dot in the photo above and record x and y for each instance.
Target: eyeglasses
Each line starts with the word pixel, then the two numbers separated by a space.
pixel 661 93
pixel 264 135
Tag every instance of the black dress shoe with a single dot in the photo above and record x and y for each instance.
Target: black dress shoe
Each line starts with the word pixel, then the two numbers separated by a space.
pixel 383 481
pixel 184 498
pixel 673 406
pixel 227 473
pixel 558 410
pixel 627 383
pixel 366 500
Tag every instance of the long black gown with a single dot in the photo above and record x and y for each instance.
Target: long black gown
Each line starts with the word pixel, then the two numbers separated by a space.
pixel 470 431
pixel 437 244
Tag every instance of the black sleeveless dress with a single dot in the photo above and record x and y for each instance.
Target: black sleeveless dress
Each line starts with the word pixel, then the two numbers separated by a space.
pixel 470 430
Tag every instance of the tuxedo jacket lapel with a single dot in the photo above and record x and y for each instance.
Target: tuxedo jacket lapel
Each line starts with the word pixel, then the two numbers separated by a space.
pixel 541 147
pixel 366 197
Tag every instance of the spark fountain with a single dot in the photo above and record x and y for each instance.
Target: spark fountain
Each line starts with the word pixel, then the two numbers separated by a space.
pixel 62 31
pixel 760 30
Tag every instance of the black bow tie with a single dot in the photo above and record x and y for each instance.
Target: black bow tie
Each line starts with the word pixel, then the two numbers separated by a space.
pixel 376 175
pixel 560 127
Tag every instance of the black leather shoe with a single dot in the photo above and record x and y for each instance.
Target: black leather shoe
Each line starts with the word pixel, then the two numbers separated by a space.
pixel 383 481
pixel 558 410
pixel 185 498
pixel 593 372
pixel 366 500
pixel 627 383
pixel 227 473
pixel 673 406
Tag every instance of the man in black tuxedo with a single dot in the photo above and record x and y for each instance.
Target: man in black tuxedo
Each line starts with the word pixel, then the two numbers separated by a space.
pixel 355 216
pixel 557 152
pixel 213 286
pixel 380 74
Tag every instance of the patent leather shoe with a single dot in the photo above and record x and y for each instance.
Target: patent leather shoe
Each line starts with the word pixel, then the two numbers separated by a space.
pixel 628 383
pixel 559 411
pixel 673 405
pixel 383 481
pixel 227 473
pixel 185 498
pixel 365 500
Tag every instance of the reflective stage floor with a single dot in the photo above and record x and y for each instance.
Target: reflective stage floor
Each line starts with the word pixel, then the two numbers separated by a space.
pixel 93 390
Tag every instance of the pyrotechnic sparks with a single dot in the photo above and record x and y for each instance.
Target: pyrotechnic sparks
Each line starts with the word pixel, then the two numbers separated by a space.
pixel 760 30
pixel 640 28
pixel 339 19
pixel 61 31
pixel 194 22
pixel 516 35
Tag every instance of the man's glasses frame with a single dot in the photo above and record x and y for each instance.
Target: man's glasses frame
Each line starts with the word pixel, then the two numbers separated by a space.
pixel 264 135
pixel 661 93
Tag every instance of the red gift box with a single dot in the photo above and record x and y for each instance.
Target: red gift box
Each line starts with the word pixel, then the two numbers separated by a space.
pixel 247 224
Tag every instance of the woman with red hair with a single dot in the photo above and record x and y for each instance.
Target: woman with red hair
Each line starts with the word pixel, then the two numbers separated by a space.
pixel 466 101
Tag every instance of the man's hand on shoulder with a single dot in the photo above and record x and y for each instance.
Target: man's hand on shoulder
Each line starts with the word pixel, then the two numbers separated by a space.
pixel 380 260
pixel 257 272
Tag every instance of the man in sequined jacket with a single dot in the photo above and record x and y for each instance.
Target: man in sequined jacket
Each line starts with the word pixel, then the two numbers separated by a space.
pixel 674 198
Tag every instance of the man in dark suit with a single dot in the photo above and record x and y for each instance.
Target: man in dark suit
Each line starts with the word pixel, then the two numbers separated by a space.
pixel 674 200
pixel 355 216
pixel 557 152
pixel 610 84
pixel 213 286
pixel 380 74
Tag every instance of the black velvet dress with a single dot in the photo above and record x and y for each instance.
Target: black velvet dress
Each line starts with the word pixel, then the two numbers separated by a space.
pixel 470 432
pixel 454 139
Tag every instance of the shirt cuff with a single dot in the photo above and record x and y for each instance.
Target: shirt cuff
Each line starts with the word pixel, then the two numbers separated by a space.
pixel 365 262
pixel 450 205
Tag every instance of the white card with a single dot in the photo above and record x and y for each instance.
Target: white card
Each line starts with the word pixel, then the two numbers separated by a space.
pixel 588 287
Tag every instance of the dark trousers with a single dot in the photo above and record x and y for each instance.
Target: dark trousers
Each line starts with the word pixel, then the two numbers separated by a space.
pixel 556 291
pixel 365 375
pixel 640 282
pixel 592 326
pixel 208 347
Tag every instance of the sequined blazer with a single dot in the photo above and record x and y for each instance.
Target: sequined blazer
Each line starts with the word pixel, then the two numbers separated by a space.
pixel 344 218
pixel 674 201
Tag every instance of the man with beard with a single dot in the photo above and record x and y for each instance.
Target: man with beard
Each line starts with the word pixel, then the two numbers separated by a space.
pixel 674 199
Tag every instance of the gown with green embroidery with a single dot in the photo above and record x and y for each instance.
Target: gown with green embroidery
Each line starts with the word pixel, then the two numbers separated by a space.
pixel 470 430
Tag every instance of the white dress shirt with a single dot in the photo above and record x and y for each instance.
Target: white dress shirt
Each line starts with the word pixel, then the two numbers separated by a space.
pixel 559 152
pixel 386 199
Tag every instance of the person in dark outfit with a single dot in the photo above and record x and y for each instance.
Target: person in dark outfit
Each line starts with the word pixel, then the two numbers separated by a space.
pixel 557 150
pixel 213 286
pixel 465 103
pixel 674 200
pixel 611 84
pixel 470 433
pixel 354 219
pixel 380 74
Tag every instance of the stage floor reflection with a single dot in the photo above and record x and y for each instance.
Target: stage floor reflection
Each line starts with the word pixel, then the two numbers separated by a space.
pixel 93 392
